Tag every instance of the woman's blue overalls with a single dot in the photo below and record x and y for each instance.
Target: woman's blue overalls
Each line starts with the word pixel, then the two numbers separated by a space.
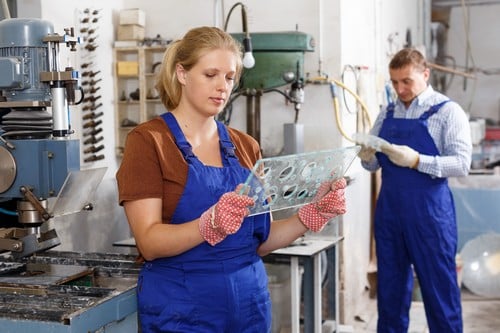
pixel 415 225
pixel 220 288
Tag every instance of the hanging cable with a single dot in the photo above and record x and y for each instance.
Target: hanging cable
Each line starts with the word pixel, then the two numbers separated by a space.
pixel 8 212
pixel 333 83
pixel 356 77
pixel 248 58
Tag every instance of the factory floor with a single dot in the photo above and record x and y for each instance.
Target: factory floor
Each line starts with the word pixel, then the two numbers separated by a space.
pixel 480 315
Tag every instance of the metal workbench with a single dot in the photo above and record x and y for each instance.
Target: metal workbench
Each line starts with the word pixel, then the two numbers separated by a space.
pixel 69 292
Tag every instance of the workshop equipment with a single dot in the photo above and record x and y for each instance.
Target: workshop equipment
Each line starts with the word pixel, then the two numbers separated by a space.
pixel 40 178
pixel 68 292
pixel 279 61
pixel 37 154
pixel 279 58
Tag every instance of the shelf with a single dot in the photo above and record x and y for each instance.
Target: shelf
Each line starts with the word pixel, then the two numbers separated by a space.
pixel 137 110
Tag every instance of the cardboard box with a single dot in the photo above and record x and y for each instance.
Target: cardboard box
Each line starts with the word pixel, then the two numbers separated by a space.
pixel 132 16
pixel 130 32
pixel 127 68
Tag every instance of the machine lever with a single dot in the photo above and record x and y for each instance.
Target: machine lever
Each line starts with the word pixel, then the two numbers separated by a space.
pixel 36 204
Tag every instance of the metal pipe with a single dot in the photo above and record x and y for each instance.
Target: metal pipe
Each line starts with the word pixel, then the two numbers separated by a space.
pixel 257 115
pixel 5 9
pixel 250 115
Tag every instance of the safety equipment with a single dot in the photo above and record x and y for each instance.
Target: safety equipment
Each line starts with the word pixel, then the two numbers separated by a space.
pixel 328 203
pixel 225 217
pixel 366 154
pixel 402 155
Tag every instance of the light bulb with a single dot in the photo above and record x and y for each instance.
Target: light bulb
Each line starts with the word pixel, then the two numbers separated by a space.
pixel 248 60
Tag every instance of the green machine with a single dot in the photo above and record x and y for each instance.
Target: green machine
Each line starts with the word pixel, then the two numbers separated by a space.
pixel 279 58
pixel 279 61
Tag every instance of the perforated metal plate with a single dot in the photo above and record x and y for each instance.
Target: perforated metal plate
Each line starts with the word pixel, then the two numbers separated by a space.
pixel 282 182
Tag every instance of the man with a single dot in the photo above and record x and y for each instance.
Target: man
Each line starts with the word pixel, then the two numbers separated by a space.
pixel 415 225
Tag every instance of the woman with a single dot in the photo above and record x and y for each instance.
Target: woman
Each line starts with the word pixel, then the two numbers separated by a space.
pixel 179 184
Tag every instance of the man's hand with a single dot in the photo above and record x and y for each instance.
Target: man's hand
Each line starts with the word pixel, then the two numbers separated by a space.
pixel 225 217
pixel 402 155
pixel 328 203
pixel 366 154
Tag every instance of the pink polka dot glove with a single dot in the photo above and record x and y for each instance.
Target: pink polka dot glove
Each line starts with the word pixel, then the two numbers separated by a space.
pixel 225 217
pixel 328 203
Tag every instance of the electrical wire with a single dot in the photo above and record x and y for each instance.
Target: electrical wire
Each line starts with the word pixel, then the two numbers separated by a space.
pixel 353 70
pixel 226 20
pixel 365 114
pixel 8 212
pixel 333 83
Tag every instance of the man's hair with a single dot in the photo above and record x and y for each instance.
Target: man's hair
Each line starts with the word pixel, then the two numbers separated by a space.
pixel 406 57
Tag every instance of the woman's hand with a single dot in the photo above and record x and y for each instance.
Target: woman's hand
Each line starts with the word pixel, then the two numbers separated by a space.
pixel 225 217
pixel 328 203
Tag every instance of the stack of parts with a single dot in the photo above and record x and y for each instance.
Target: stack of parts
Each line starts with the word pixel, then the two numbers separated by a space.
pixel 91 114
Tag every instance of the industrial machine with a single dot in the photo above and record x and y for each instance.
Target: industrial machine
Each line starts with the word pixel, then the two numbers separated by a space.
pixel 279 61
pixel 36 152
pixel 40 178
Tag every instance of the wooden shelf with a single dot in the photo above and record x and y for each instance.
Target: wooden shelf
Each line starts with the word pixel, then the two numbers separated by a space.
pixel 136 110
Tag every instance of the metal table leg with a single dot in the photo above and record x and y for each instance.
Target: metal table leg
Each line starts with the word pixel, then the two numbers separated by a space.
pixel 295 296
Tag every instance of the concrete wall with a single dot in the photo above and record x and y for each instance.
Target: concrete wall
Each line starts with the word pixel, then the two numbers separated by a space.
pixel 479 97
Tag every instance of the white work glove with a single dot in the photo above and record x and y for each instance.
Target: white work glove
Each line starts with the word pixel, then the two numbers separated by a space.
pixel 366 154
pixel 402 155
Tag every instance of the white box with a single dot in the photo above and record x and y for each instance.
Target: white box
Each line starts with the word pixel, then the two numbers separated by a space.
pixel 130 32
pixel 133 16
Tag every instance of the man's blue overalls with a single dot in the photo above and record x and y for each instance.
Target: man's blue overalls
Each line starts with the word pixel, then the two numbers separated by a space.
pixel 415 225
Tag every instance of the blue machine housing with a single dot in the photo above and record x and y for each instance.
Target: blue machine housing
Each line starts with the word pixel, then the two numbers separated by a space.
pixel 43 165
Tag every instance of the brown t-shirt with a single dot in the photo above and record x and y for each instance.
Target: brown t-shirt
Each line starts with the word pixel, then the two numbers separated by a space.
pixel 153 166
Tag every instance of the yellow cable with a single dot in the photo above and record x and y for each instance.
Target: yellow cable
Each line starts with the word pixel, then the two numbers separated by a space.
pixel 336 106
pixel 358 99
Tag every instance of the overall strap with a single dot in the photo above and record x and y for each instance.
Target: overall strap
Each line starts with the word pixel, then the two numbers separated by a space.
pixel 390 111
pixel 180 139
pixel 433 109
pixel 226 145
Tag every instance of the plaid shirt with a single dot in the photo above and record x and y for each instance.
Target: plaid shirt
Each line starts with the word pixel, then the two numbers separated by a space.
pixel 449 128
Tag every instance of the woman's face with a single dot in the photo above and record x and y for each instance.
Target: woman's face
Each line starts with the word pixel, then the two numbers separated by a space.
pixel 206 87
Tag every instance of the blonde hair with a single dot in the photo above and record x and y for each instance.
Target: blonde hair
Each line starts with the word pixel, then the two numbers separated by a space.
pixel 186 52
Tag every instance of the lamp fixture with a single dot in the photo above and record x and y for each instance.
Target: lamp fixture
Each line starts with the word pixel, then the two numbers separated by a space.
pixel 248 58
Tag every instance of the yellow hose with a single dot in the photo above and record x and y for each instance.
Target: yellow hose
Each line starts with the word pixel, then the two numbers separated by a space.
pixel 336 106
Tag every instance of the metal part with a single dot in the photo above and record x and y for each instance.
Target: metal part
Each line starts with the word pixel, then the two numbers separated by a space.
pixel 32 210
pixel 276 53
pixel 69 292
pixel 8 169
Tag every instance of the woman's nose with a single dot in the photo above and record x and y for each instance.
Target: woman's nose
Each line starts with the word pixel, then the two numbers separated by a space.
pixel 222 84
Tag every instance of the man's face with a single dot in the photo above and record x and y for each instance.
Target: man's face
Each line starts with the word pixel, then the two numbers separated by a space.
pixel 409 82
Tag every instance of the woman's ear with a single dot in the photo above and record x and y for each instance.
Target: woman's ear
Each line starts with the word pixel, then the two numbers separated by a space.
pixel 181 74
